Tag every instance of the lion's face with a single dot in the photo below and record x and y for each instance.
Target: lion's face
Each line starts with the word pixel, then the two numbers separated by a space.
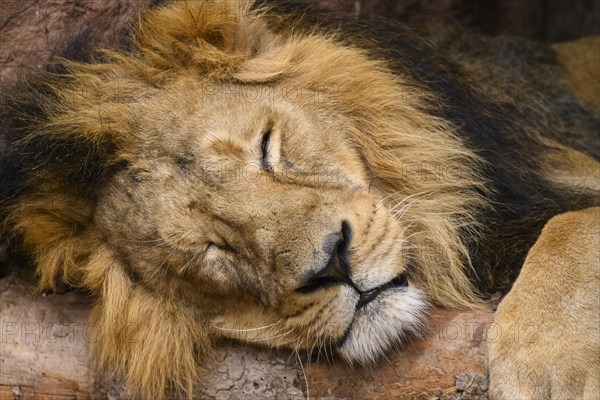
pixel 257 209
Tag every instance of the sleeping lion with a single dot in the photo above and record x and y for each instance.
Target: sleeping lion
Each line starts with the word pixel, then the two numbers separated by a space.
pixel 277 176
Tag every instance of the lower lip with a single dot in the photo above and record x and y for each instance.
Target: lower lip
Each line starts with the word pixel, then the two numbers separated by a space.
pixel 370 295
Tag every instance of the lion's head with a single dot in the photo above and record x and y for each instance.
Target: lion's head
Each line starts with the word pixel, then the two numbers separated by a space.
pixel 224 179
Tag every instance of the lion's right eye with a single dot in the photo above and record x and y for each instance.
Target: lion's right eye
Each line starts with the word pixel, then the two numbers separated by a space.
pixel 264 148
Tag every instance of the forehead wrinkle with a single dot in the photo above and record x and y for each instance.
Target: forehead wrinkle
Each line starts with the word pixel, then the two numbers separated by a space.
pixel 234 137
pixel 222 141
pixel 228 147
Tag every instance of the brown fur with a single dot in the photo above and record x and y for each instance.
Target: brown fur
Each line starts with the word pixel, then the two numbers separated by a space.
pixel 580 59
pixel 184 237
pixel 546 336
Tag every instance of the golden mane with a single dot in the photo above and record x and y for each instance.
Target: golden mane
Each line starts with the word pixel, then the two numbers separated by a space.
pixel 410 154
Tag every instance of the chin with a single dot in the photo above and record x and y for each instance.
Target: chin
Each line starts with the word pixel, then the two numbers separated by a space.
pixel 392 317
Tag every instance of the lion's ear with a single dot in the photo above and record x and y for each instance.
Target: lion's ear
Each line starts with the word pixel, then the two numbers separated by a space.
pixel 151 339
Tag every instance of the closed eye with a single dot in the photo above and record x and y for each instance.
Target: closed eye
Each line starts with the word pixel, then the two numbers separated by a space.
pixel 213 249
pixel 264 148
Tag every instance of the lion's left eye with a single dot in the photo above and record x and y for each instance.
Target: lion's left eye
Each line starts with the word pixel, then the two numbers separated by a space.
pixel 264 148
pixel 211 249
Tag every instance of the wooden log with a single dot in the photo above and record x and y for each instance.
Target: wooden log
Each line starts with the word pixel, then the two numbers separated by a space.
pixel 45 342
pixel 449 363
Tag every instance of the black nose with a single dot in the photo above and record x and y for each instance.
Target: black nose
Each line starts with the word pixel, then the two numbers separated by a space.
pixel 337 269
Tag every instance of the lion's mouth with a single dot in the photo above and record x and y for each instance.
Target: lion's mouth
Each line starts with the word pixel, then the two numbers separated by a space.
pixel 366 297
pixel 401 281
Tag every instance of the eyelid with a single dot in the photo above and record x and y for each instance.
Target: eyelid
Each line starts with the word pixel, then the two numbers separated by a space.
pixel 212 248
pixel 266 147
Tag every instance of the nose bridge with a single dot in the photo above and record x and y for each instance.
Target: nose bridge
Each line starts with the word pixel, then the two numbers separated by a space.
pixel 331 242
pixel 300 208
pixel 301 229
pixel 336 269
pixel 294 229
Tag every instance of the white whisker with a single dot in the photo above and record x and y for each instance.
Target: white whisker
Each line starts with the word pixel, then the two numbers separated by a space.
pixel 249 329
pixel 304 374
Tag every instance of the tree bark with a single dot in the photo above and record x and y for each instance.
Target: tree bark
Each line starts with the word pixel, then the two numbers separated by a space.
pixel 45 354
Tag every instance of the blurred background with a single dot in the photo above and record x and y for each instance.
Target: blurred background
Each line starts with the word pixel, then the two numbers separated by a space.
pixel 543 20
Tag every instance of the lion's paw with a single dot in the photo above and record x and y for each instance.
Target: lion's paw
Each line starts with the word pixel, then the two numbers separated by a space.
pixel 545 342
